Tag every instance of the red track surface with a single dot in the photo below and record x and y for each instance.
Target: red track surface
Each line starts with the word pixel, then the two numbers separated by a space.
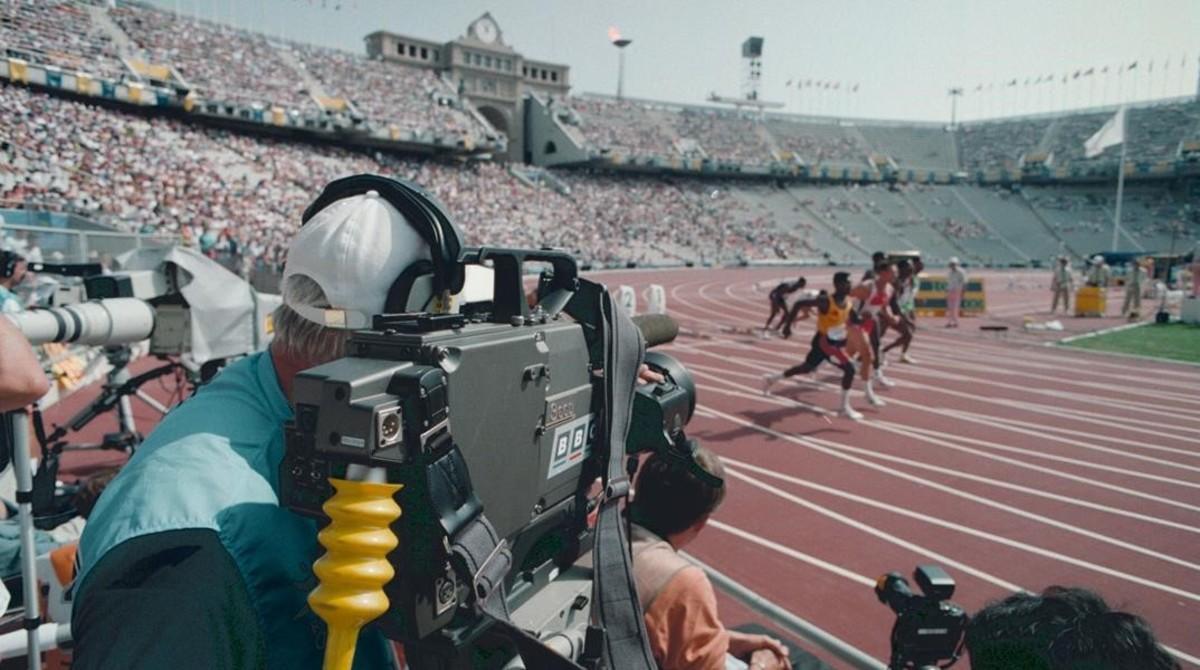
pixel 1010 464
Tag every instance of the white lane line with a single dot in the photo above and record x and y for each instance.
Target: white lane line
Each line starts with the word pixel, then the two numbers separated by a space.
pixel 767 350
pixel 1013 404
pixel 792 553
pixel 938 370
pixel 905 544
pixel 959 474
pixel 1131 387
pixel 817 444
pixel 1182 656
pixel 958 342
pixel 1035 351
pixel 965 530
pixel 947 442
pixel 862 580
pixel 1029 429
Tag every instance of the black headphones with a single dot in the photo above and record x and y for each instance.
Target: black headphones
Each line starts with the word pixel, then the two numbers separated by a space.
pixel 424 213
pixel 8 263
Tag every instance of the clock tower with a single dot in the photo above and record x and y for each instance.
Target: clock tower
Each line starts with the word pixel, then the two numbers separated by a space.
pixel 488 73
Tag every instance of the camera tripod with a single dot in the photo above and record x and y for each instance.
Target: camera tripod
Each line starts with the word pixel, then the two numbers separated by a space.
pixel 118 386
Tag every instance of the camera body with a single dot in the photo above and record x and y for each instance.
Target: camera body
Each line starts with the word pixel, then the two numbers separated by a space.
pixel 458 412
pixel 499 409
pixel 929 627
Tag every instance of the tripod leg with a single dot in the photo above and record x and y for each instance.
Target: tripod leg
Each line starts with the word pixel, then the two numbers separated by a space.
pixel 149 400
pixel 16 431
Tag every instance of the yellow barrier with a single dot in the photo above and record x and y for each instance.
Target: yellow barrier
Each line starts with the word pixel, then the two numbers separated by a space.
pixel 931 299
pixel 83 84
pixel 151 70
pixel 18 70
pixel 1091 301
pixel 332 104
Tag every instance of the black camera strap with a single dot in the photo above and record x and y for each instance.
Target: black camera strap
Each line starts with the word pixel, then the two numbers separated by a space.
pixel 618 627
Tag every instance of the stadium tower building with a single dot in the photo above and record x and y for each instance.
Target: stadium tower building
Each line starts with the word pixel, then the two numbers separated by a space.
pixel 489 73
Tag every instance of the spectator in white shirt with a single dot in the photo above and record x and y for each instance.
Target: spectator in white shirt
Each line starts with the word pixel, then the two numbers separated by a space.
pixel 956 281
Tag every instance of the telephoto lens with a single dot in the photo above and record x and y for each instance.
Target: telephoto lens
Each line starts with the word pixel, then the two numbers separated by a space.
pixel 95 323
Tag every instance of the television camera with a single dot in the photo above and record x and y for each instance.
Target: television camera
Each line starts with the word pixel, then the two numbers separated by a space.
pixel 495 416
pixel 194 314
pixel 929 628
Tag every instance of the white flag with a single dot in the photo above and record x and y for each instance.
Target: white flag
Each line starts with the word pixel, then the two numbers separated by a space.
pixel 1111 133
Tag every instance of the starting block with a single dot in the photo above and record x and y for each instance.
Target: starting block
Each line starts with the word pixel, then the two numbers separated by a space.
pixel 656 302
pixel 627 299
pixel 1091 301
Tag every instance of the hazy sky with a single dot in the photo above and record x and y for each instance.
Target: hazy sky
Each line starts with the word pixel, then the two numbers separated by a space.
pixel 903 54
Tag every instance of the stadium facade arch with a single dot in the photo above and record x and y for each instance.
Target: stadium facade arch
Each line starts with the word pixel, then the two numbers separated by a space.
pixel 488 72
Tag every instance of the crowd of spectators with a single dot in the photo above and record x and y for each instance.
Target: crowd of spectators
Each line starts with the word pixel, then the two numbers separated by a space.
pixel 1155 132
pixel 412 99
pixel 725 136
pixel 220 62
pixel 999 144
pixel 241 67
pixel 622 126
pixel 818 144
pixel 233 193
pixel 57 33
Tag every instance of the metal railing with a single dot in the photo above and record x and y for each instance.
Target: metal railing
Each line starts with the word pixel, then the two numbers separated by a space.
pixel 851 656
pixel 59 242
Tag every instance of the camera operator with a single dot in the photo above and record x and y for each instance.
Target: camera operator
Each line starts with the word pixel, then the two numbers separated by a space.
pixel 13 270
pixel 675 495
pixel 1062 629
pixel 189 561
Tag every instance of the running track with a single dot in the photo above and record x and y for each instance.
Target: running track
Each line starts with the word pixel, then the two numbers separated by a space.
pixel 1010 464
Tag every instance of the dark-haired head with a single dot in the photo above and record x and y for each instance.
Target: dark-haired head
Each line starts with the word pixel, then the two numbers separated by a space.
pixel 670 498
pixel 1062 629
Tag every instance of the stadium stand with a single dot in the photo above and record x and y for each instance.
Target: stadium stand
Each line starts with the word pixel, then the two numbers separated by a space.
pixel 911 220
pixel 241 192
pixel 162 175
pixel 725 136
pixel 412 99
pixel 219 61
pixel 624 127
pixel 819 143
pixel 914 146
pixel 1080 216
pixel 57 33
pixel 999 143
pixel 1011 217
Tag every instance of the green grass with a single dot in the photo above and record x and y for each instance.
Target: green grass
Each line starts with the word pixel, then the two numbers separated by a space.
pixel 1174 341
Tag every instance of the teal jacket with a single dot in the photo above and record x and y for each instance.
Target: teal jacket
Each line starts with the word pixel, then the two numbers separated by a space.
pixel 213 464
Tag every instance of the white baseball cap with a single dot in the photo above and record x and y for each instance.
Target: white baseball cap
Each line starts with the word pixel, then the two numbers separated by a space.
pixel 1097 259
pixel 354 249
pixel 954 260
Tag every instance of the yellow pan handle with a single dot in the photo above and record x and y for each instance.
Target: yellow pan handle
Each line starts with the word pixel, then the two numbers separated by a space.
pixel 352 573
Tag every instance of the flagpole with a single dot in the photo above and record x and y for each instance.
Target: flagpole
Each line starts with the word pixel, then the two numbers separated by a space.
pixel 1120 182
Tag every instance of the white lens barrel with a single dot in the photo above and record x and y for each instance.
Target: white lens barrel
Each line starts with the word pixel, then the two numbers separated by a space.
pixel 95 323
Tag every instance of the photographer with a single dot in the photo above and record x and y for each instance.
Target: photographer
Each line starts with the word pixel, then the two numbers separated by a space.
pixel 190 561
pixel 1062 629
pixel 13 270
pixel 675 495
